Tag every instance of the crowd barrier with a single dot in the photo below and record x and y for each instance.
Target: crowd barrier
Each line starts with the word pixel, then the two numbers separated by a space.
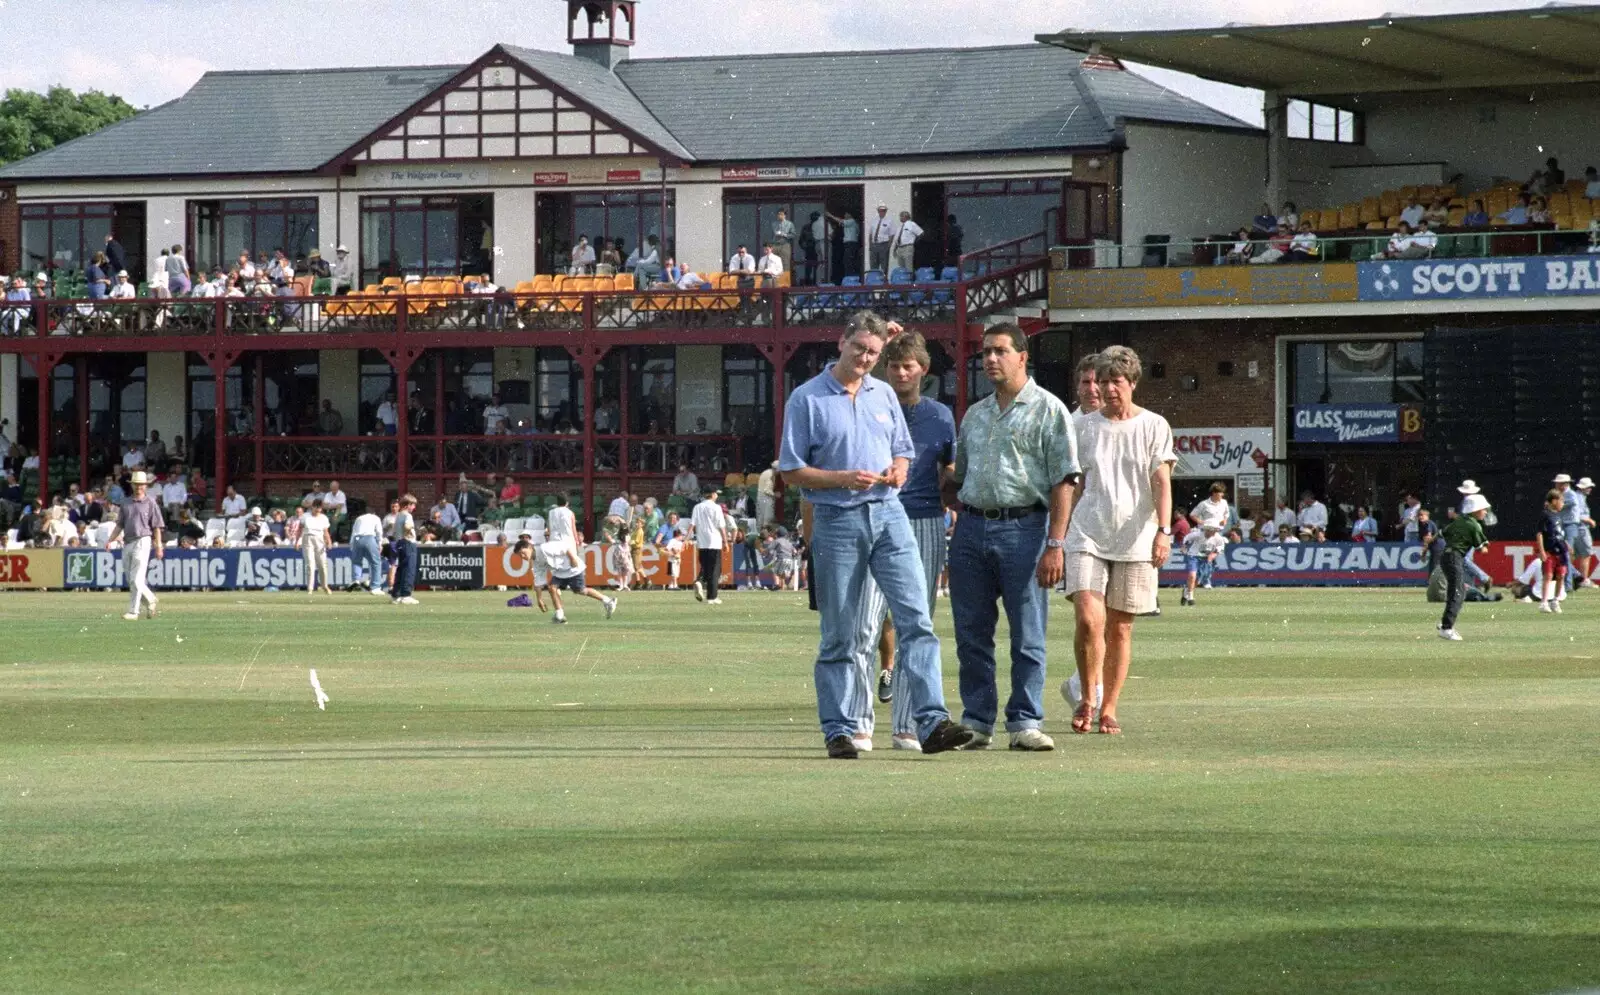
pixel 1321 564
pixel 259 568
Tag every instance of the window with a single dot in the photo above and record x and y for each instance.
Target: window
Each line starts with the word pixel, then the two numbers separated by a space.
pixel 63 236
pixel 1321 123
pixel 655 410
pixel 995 211
pixel 746 393
pixel 290 383
pixel 219 230
pixel 630 215
pixel 1363 372
pixel 376 383
pixel 426 236
pixel 558 390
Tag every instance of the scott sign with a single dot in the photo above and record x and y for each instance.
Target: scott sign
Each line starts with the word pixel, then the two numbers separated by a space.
pixel 1558 276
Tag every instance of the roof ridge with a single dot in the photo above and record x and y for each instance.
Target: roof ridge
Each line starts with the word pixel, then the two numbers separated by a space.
pixel 850 51
pixel 331 69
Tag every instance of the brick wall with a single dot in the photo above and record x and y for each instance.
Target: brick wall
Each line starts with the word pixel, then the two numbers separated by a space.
pixel 10 231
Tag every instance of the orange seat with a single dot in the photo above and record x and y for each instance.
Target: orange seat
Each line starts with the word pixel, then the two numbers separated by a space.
pixel 622 282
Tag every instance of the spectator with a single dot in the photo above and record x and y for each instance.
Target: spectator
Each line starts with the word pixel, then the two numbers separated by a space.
pixel 647 269
pixel 1538 212
pixel 388 415
pixel 318 267
pixel 1438 213
pixel 1408 516
pixel 177 272
pixel 700 426
pixel 133 459
pixel 512 491
pixel 335 502
pixel 1277 246
pixel 255 528
pixel 278 524
pixel 1401 244
pixel 668 529
pixel 113 492
pixel 157 281
pixel 582 258
pixel 1477 217
pixel 155 453
pixel 178 452
pixel 610 260
pixel 688 279
pixel 1242 248
pixel 174 494
pixel 1303 248
pixel 1413 213
pixel 1516 214
pixel 123 290
pixel 344 271
pixel 621 508
pixel 329 421
pixel 1289 219
pixel 1364 528
pixel 685 484
pixel 97 276
pixel 445 514
pixel 769 266
pixel 882 238
pixel 495 416
pixel 742 263
pixel 1591 183
pixel 13 318
pixel 114 253
pixel 233 503
pixel 812 238
pixel 1247 526
pixel 1547 180
pixel 783 236
pixel 280 271
pixel 313 495
pixel 905 243
pixel 1265 221
pixel 1313 513
pixel 1424 241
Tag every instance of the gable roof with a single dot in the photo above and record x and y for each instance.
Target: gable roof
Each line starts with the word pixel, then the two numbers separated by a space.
pixel 278 121
pixel 1015 98
pixel 918 102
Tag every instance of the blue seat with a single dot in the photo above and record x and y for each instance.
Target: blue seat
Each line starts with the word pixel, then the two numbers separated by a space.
pixel 873 278
pixel 925 275
pixel 950 274
pixel 851 300
pixel 901 276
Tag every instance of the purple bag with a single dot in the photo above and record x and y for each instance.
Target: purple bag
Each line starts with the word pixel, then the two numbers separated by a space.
pixel 520 601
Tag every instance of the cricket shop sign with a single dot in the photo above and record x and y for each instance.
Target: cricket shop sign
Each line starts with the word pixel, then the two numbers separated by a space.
pixel 1221 452
pixel 216 569
pixel 1306 564
pixel 1356 423
pixel 1545 276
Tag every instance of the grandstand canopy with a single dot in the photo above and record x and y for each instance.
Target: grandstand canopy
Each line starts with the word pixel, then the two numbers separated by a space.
pixel 1557 44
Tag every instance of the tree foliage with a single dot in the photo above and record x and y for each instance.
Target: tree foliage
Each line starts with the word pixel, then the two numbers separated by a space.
pixel 32 122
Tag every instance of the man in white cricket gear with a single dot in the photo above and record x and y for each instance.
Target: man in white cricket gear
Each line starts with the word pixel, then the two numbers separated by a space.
pixel 565 558
pixel 366 542
pixel 710 534
pixel 141 523
pixel 1118 538
pixel 314 526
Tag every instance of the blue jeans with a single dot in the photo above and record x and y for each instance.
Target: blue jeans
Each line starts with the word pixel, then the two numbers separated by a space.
pixel 848 545
pixel 997 561
pixel 405 573
pixel 1474 571
pixel 368 554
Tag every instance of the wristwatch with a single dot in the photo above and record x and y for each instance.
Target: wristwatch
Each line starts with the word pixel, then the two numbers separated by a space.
pixel 1166 530
pixel 1055 543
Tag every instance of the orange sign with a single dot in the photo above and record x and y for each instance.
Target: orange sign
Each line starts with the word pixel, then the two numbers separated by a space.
pixel 501 567
pixel 31 569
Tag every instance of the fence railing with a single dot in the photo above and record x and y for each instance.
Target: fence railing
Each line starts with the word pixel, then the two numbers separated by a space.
pixel 1345 246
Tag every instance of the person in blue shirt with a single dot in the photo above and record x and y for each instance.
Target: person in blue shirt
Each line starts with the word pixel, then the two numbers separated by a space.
pixel 1516 214
pixel 846 445
pixel 1477 217
pixel 97 276
pixel 933 434
pixel 1575 525
pixel 1555 556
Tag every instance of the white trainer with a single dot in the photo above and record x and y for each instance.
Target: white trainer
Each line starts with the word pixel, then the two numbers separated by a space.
pixel 979 741
pixel 862 743
pixel 408 600
pixel 714 601
pixel 1558 608
pixel 1450 634
pixel 610 605
pixel 906 741
pixel 130 616
pixel 1546 606
pixel 1033 740
pixel 699 591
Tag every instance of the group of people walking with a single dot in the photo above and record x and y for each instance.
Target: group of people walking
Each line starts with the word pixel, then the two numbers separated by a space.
pixel 1042 497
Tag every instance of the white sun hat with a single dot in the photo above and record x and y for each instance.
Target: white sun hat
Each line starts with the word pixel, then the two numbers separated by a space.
pixel 1474 502
pixel 1469 487
pixel 140 477
pixel 1562 478
pixel 1584 484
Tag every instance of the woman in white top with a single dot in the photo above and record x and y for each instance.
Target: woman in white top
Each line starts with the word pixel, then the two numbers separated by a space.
pixel 1116 542
pixel 1364 529
pixel 314 527
pixel 1214 509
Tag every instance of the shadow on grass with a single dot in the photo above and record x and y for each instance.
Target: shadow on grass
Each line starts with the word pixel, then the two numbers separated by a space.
pixel 1371 960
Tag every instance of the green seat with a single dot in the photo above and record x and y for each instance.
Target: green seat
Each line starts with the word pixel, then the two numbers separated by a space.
pixel 322 286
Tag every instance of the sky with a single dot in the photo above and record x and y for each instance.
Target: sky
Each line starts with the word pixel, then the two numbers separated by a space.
pixel 152 51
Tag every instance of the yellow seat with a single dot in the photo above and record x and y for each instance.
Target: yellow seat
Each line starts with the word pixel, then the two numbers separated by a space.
pixel 622 282
pixel 1393 222
pixel 1350 216
pixel 392 283
pixel 1458 215
pixel 733 480
pixel 1368 210
pixel 1375 226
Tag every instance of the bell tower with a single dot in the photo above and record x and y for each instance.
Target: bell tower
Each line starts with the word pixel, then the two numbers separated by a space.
pixel 601 30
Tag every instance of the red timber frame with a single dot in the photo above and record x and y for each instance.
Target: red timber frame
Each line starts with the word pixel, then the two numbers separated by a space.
pixel 588 325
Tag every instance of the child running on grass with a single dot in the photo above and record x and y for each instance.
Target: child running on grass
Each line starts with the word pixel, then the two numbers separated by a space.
pixel 1551 547
pixel 1201 548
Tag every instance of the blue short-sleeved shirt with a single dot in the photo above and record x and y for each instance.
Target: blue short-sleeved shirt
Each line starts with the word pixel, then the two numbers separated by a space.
pixel 933 434
pixel 824 428
pixel 1574 507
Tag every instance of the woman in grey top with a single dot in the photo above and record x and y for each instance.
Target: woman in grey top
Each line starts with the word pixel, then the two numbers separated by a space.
pixel 177 272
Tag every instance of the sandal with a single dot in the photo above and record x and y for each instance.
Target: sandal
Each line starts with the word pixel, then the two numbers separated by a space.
pixel 1083 718
pixel 1110 726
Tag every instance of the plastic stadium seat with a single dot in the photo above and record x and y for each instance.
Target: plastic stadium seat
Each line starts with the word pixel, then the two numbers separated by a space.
pixel 901 276
pixel 924 274
pixel 513 526
pixel 873 278
pixel 490 537
pixel 950 274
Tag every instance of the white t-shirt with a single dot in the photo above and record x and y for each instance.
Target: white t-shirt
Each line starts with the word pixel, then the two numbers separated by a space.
pixel 366 524
pixel 387 415
pixel 234 506
pixel 1315 516
pixel 621 507
pixel 1284 517
pixel 495 417
pixel 335 499
pixel 563 525
pixel 133 459
pixel 1115 518
pixel 1209 512
pixel 314 527
pixel 174 493
pixel 708 522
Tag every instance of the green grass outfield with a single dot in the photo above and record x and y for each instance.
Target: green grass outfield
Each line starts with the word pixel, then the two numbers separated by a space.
pixel 1314 794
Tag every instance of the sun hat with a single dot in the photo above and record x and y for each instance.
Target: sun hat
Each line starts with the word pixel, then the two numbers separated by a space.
pixel 1469 487
pixel 139 477
pixel 1584 484
pixel 1562 478
pixel 1474 502
pixel 255 511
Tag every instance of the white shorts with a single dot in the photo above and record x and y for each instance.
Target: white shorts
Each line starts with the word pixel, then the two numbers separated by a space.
pixel 1127 586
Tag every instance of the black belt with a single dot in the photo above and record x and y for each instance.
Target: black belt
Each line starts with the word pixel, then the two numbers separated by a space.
pixel 998 514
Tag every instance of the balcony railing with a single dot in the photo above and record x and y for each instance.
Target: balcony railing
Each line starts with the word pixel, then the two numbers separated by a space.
pixel 1347 246
pixel 925 303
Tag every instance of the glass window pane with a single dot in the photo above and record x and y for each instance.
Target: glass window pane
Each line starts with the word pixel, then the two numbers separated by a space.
pixel 1298 119
pixel 300 234
pixel 238 235
pixel 376 228
pixel 269 232
pixel 1361 372
pixel 35 245
pixel 1322 123
pixel 1347 126
pixel 442 231
pixel 1309 369
pixel 66 243
pixel 407 257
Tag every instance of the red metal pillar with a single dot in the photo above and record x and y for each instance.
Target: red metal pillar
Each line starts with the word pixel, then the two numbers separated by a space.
pixel 440 481
pixel 588 363
pixel 622 414
pixel 779 357
pixel 961 351
pixel 219 434
pixel 80 372
pixel 45 364
pixel 260 425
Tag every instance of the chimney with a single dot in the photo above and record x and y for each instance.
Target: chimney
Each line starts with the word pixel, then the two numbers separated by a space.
pixel 601 30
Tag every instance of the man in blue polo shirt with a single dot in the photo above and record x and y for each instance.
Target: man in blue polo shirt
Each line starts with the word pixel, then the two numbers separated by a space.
pixel 845 443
